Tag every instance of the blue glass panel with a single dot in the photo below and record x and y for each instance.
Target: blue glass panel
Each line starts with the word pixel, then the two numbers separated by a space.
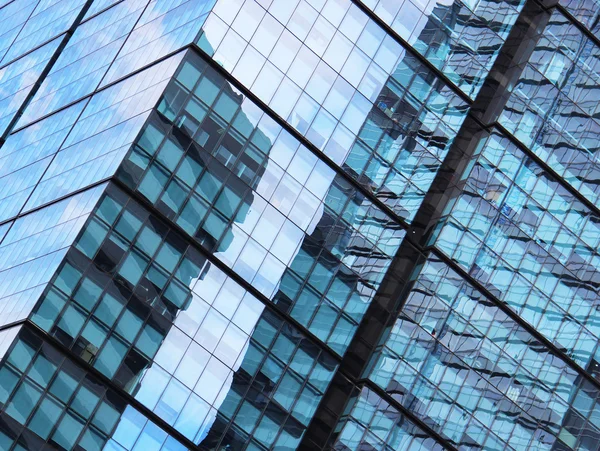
pixel 47 21
pixel 69 408
pixel 585 11
pixel 13 16
pixel 102 134
pixel 34 247
pixel 372 423
pixel 533 243
pixel 263 203
pixel 475 372
pixel 84 60
pixel 554 104
pixel 17 80
pixel 180 335
pixel 351 90
pixel 163 28
pixel 461 38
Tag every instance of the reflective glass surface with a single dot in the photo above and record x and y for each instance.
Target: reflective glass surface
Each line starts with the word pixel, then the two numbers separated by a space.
pixel 50 402
pixel 17 79
pixel 210 212
pixel 373 423
pixel 248 191
pixel 587 12
pixel 85 59
pixel 32 247
pixel 530 242
pixel 461 38
pixel 80 145
pixel 336 77
pixel 553 108
pixel 147 310
pixel 165 26
pixel 48 20
pixel 13 15
pixel 463 365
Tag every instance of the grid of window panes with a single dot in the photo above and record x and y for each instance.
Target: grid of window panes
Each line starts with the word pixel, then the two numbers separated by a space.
pixel 107 46
pixel 145 306
pixel 13 16
pixel 46 398
pixel 32 248
pixel 587 12
pixel 530 242
pixel 343 83
pixel 46 21
pixel 80 145
pixel 18 78
pixel 85 59
pixel 145 309
pixel 458 361
pixel 24 157
pixel 372 423
pixel 282 372
pixel 245 189
pixel 553 107
pixel 163 28
pixel 405 137
pixel 460 38
pixel 30 35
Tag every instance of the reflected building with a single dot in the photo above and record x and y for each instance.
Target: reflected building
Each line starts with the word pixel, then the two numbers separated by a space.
pixel 298 224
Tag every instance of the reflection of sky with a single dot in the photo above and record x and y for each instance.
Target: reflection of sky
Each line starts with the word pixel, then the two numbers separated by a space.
pixel 17 79
pixel 230 254
pixel 134 431
pixel 163 28
pixel 222 294
pixel 158 389
pixel 426 8
pixel 137 52
pixel 325 74
pixel 12 18
pixel 99 139
pixel 85 59
pixel 276 272
pixel 48 20
pixel 84 158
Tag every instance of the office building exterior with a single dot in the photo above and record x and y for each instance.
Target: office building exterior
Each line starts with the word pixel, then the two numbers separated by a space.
pixel 299 224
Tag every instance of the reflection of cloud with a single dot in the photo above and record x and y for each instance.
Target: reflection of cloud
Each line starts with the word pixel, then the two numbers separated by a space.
pixel 216 359
pixel 18 78
pixel 33 249
pixel 272 276
pixel 95 130
pixel 163 28
pixel 40 27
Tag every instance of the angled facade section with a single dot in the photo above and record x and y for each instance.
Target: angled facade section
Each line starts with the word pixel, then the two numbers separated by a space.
pixel 299 224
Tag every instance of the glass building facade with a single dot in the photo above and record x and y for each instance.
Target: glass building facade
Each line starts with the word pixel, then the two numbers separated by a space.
pixel 344 225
